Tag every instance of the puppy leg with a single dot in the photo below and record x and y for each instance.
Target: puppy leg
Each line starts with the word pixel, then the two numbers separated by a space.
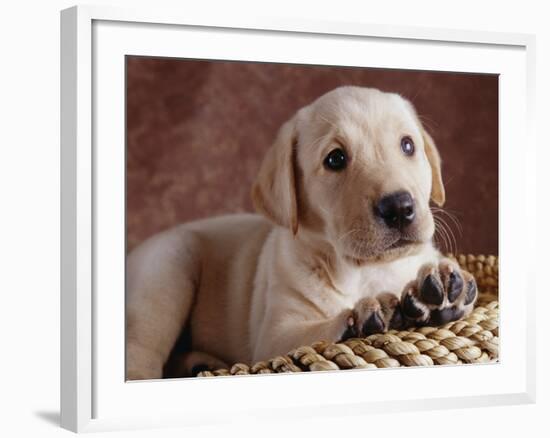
pixel 278 336
pixel 161 278
pixel 441 293
pixel 375 315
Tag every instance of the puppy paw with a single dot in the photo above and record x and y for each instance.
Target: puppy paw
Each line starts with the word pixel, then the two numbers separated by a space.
pixel 374 315
pixel 440 294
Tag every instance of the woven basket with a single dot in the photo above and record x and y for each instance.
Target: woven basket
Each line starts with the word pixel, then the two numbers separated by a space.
pixel 470 340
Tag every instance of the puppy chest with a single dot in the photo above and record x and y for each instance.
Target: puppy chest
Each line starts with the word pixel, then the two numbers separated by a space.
pixel 391 277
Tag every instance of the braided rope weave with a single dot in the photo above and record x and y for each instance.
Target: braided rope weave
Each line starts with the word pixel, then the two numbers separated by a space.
pixel 470 340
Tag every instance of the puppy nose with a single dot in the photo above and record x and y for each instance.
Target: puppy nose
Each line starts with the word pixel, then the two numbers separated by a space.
pixel 396 209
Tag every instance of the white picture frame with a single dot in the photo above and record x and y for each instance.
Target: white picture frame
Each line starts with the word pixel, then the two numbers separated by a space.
pixel 94 41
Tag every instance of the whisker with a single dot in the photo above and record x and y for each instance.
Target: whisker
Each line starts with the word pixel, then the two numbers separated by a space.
pixel 443 241
pixel 455 221
pixel 348 233
pixel 428 122
pixel 418 90
pixel 454 246
pixel 437 233
pixel 439 237
pixel 454 218
pixel 444 233
pixel 450 215
pixel 444 228
pixel 442 216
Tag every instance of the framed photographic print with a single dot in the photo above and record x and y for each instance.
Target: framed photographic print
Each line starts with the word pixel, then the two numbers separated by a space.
pixel 257 206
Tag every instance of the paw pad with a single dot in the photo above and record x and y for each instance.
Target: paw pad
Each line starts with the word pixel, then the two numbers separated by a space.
pixel 441 294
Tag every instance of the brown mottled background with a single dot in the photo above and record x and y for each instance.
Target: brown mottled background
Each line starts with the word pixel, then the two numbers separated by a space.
pixel 197 131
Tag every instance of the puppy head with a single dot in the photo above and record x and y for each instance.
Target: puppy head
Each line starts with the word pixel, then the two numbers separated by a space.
pixel 356 168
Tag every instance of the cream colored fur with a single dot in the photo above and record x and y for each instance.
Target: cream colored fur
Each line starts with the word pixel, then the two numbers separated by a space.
pixel 251 287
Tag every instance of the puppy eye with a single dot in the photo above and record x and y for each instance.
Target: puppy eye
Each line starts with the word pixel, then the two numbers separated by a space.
pixel 336 160
pixel 407 145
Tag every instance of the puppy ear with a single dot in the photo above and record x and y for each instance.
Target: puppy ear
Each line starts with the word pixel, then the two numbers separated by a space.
pixel 274 192
pixel 438 191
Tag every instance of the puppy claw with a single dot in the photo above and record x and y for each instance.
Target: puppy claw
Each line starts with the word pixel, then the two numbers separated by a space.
pixel 431 291
pixel 397 320
pixel 471 292
pixel 374 324
pixel 455 286
pixel 410 307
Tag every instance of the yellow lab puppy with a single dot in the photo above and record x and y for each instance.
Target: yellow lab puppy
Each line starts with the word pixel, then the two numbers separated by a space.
pixel 343 246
